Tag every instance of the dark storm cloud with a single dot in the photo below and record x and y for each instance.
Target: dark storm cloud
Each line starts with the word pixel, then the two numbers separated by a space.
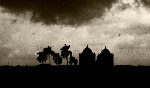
pixel 72 12
pixel 146 3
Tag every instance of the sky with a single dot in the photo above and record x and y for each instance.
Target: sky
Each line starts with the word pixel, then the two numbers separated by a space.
pixel 28 26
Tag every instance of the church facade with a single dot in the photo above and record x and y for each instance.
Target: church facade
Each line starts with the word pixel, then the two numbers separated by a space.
pixel 105 58
pixel 88 58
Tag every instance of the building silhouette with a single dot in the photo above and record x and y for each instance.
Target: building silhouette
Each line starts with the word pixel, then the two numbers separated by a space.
pixel 105 59
pixel 87 57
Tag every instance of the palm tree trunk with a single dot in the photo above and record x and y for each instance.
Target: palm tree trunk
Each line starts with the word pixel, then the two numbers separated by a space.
pixel 67 61
pixel 49 60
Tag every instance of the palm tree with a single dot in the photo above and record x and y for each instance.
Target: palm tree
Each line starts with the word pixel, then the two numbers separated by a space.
pixel 73 60
pixel 57 59
pixel 65 52
pixel 42 57
pixel 49 52
pixel 45 54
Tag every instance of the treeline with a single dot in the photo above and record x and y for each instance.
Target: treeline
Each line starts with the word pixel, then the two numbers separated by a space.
pixel 48 54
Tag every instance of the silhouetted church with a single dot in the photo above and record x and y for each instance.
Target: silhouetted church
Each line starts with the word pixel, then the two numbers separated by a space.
pixel 105 58
pixel 87 57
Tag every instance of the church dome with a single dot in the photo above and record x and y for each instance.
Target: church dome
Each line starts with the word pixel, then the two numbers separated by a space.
pixel 106 51
pixel 87 50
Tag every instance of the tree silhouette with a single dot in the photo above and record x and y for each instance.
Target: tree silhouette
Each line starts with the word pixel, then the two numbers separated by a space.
pixel 45 54
pixel 73 61
pixel 42 57
pixel 65 52
pixel 49 52
pixel 57 59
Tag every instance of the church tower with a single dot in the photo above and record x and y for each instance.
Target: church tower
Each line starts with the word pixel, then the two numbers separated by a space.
pixel 105 58
pixel 87 57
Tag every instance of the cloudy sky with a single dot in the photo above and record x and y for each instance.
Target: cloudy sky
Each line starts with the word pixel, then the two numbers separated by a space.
pixel 28 26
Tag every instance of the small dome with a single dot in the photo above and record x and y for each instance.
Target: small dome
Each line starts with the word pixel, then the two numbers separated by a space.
pixel 106 51
pixel 87 49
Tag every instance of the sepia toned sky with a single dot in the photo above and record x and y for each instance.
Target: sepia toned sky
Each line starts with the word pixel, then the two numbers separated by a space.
pixel 28 26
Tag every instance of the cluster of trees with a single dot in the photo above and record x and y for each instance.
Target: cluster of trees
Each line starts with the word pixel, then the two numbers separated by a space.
pixel 48 53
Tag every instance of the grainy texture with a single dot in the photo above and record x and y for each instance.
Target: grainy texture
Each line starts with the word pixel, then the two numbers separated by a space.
pixel 28 26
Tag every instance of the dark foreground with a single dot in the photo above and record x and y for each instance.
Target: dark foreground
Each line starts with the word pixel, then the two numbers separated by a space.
pixel 46 72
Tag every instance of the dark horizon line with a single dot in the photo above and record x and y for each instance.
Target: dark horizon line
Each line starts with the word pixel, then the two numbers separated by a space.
pixel 65 65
